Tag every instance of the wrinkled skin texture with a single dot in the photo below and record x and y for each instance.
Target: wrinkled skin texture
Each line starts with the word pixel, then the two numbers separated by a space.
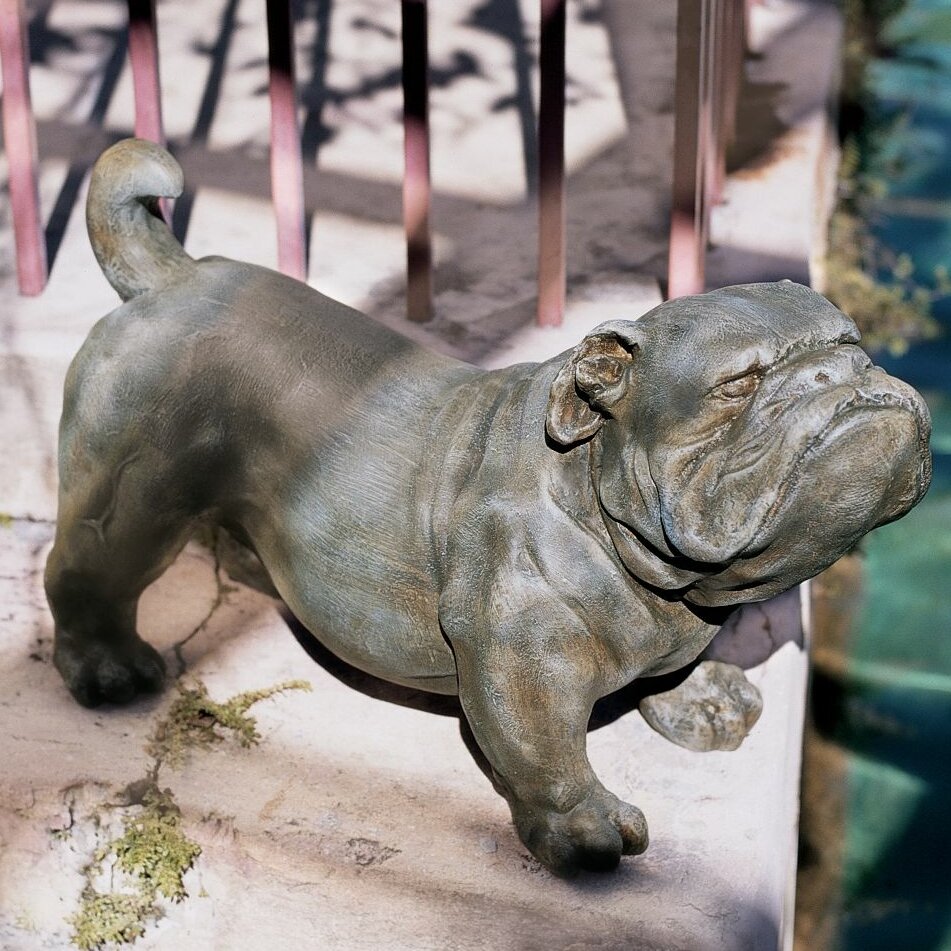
pixel 530 538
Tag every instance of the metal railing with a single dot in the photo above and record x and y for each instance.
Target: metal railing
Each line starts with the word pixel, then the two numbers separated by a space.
pixel 711 41
pixel 19 135
pixel 710 49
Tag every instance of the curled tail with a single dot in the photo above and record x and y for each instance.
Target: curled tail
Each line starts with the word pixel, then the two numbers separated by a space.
pixel 132 244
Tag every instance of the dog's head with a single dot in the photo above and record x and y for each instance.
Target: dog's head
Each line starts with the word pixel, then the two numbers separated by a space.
pixel 745 442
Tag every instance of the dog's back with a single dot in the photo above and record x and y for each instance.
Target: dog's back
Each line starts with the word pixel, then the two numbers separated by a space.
pixel 328 443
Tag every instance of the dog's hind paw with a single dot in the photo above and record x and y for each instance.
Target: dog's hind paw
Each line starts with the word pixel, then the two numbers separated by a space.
pixel 99 672
pixel 713 709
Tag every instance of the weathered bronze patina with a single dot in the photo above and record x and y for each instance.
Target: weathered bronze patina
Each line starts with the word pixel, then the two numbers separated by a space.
pixel 532 538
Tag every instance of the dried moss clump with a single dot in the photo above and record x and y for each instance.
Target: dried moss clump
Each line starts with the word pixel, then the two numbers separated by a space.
pixel 151 856
pixel 154 854
pixel 196 721
pixel 154 849
pixel 112 918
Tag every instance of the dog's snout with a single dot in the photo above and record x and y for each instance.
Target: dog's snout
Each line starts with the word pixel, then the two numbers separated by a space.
pixel 842 364
pixel 880 388
pixel 812 372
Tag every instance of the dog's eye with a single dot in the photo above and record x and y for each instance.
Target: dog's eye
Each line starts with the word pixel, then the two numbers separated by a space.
pixel 738 388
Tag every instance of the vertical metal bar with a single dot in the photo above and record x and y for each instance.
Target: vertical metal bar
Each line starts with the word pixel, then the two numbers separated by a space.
pixel 748 7
pixel 719 53
pixel 19 132
pixel 709 98
pixel 144 59
pixel 727 50
pixel 551 166
pixel 734 66
pixel 685 272
pixel 146 80
pixel 287 171
pixel 416 175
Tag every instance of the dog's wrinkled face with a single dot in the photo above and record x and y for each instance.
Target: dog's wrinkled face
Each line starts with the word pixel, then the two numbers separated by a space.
pixel 746 442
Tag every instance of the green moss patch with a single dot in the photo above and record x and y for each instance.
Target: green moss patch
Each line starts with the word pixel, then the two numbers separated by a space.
pixel 148 860
pixel 195 721
pixel 154 849
pixel 112 918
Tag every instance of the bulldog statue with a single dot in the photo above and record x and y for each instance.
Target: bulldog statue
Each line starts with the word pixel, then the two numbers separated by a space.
pixel 530 538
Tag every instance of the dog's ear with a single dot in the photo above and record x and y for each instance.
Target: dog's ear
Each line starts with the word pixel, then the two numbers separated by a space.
pixel 593 378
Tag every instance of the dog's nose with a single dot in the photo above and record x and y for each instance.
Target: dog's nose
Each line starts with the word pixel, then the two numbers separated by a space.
pixel 806 376
pixel 839 364
pixel 882 389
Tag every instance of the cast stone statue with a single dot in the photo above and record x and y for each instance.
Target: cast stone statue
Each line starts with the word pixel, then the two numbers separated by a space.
pixel 530 538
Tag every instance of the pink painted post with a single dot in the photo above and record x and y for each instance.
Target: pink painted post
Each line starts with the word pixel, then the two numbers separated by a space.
pixel 552 271
pixel 146 81
pixel 144 59
pixel 688 227
pixel 735 59
pixel 748 6
pixel 287 170
pixel 19 132
pixel 719 52
pixel 416 175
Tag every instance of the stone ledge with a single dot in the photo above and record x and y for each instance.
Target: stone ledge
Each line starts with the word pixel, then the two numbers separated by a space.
pixel 362 821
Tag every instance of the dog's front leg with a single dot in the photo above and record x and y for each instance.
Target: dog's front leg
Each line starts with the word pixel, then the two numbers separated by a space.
pixel 527 686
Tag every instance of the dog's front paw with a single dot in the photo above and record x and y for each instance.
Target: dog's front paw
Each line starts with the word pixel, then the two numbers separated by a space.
pixel 100 672
pixel 592 836
pixel 713 709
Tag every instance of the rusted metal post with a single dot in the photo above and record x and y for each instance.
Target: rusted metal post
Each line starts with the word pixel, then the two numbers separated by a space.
pixel 19 133
pixel 727 48
pixel 416 175
pixel 689 211
pixel 146 79
pixel 551 166
pixel 287 172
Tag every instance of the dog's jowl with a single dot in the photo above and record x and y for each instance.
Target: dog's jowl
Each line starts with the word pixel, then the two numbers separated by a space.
pixel 530 538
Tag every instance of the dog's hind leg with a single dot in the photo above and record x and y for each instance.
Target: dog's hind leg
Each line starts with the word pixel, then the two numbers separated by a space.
pixel 118 528
pixel 713 709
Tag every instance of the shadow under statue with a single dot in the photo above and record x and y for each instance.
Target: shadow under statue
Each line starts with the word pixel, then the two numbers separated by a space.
pixel 530 539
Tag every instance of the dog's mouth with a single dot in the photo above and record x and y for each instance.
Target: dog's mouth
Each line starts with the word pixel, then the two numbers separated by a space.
pixel 729 505
pixel 898 419
pixel 829 468
pixel 822 514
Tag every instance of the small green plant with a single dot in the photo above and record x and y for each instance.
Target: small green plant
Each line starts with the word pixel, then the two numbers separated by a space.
pixel 196 721
pixel 153 853
pixel 153 847
pixel 111 918
pixel 150 857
